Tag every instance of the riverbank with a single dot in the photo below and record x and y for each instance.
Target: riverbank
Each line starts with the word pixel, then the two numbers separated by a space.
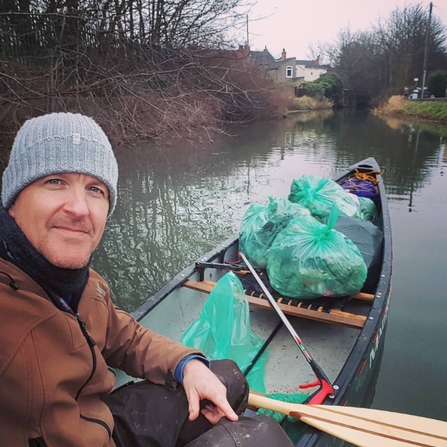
pixel 397 106
pixel 305 103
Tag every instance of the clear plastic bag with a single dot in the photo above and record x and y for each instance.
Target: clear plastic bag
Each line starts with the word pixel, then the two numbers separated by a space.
pixel 262 223
pixel 222 330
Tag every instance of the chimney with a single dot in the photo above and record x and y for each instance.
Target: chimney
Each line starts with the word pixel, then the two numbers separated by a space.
pixel 283 54
pixel 317 60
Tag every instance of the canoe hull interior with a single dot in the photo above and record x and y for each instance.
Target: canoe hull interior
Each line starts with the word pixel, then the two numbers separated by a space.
pixel 346 343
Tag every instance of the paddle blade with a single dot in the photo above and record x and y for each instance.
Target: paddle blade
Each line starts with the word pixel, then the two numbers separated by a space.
pixel 356 437
pixel 414 425
pixel 363 426
pixel 369 433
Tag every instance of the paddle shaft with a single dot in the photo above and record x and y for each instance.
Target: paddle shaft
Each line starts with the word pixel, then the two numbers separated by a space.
pixel 326 387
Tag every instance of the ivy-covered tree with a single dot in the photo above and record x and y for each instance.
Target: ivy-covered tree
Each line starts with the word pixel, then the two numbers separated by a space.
pixel 328 85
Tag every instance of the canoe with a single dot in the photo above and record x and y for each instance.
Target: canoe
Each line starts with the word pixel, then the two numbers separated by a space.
pixel 344 335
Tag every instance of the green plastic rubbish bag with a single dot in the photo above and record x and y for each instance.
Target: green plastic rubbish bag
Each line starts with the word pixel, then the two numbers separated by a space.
pixel 222 330
pixel 261 224
pixel 368 209
pixel 309 259
pixel 318 194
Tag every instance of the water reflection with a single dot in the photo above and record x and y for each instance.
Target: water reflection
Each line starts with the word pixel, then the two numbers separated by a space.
pixel 175 204
pixel 178 202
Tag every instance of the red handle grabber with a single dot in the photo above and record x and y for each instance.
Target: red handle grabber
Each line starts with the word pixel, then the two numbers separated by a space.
pixel 318 397
pixel 326 388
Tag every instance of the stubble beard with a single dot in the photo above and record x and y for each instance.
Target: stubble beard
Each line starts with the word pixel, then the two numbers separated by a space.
pixel 67 262
pixel 69 265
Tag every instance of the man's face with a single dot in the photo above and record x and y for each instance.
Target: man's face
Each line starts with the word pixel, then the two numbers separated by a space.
pixel 63 216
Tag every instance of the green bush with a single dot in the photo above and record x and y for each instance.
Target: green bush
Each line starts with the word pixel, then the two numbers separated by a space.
pixel 315 90
pixel 328 85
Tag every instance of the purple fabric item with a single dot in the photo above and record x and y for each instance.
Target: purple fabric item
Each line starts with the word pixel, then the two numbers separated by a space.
pixel 362 188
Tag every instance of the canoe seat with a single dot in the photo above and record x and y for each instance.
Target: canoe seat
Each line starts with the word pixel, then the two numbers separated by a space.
pixel 327 310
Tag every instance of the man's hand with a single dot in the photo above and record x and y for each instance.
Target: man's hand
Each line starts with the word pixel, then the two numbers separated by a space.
pixel 201 383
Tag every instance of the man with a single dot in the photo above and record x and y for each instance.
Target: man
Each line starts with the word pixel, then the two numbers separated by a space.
pixel 60 333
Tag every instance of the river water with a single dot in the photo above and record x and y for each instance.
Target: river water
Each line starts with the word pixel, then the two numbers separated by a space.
pixel 179 201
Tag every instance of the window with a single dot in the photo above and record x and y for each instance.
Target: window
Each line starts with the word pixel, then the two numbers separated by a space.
pixel 289 71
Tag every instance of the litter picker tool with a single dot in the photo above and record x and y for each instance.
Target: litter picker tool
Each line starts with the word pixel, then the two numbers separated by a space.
pixel 326 388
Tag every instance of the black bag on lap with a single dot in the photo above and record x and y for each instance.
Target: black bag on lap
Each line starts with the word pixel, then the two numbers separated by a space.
pixel 151 415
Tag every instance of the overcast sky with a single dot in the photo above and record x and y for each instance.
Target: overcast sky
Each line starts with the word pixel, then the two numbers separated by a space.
pixel 294 24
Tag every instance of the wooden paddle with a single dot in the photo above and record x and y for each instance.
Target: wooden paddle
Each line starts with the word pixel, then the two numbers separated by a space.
pixel 364 427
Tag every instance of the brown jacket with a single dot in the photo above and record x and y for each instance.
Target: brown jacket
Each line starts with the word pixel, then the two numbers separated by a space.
pixel 52 379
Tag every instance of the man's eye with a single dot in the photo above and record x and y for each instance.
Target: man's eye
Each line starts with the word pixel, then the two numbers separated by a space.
pixel 96 190
pixel 53 181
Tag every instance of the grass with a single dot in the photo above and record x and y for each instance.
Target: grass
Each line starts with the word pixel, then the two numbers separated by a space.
pixel 427 109
pixel 424 110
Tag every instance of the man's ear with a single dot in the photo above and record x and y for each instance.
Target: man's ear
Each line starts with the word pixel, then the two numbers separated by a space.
pixel 11 209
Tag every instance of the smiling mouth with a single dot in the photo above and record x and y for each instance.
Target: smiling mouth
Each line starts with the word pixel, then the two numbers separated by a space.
pixel 73 230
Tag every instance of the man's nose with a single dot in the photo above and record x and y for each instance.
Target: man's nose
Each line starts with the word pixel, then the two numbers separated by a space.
pixel 76 203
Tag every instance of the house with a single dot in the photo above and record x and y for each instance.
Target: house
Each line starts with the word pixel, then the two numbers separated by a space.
pixel 291 73
pixel 289 70
pixel 296 71
pixel 265 60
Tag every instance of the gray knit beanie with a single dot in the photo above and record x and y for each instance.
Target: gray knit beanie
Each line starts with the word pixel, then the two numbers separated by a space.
pixel 57 143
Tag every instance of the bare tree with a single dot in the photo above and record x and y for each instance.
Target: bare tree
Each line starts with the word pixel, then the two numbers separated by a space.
pixel 319 50
pixel 390 55
pixel 150 67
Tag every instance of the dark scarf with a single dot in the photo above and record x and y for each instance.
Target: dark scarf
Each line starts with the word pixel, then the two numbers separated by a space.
pixel 16 248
